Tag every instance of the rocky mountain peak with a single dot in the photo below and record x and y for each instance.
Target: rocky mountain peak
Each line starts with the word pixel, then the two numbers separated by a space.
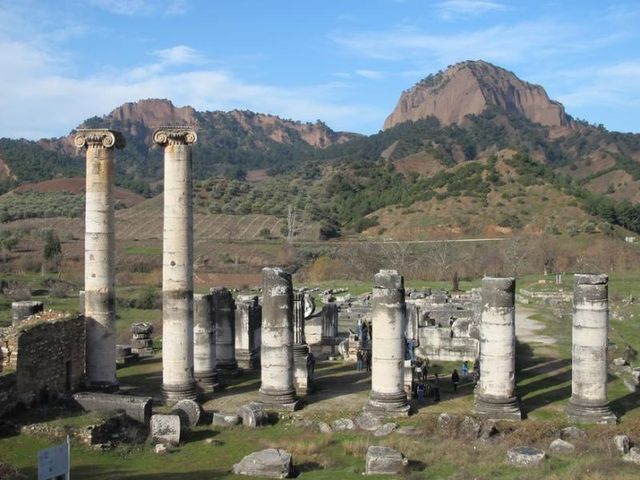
pixel 469 88
pixel 154 112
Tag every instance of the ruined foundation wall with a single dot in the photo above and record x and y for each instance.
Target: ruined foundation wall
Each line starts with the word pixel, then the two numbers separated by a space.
pixel 8 392
pixel 437 344
pixel 47 354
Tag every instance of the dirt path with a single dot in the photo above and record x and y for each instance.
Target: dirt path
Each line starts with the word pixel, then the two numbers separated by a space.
pixel 527 329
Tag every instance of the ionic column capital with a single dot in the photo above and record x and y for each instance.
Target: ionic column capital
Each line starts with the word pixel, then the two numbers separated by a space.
pixel 175 136
pixel 98 138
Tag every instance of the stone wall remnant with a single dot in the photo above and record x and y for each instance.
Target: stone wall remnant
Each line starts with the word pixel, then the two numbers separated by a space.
pixel 22 310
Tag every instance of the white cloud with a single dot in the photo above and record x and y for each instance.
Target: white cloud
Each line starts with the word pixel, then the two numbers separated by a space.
pixel 141 7
pixel 612 85
pixel 500 43
pixel 451 8
pixel 371 74
pixel 41 100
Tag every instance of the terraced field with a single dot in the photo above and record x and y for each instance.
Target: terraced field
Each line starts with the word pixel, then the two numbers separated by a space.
pixel 144 221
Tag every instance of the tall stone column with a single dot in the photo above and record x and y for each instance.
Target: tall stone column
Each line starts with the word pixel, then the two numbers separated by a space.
pixel 248 318
pixel 388 346
pixel 302 380
pixel 589 403
pixel 177 264
pixel 329 323
pixel 99 255
pixel 204 344
pixel 225 324
pixel 276 356
pixel 495 393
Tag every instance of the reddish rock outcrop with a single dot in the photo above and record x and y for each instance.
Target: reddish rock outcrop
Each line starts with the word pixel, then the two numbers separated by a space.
pixel 469 88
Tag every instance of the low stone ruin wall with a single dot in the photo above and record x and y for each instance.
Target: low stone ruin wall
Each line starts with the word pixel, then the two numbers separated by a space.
pixel 437 344
pixel 8 392
pixel 48 356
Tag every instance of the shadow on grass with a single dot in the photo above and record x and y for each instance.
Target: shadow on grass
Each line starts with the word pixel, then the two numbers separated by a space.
pixel 117 473
pixel 625 404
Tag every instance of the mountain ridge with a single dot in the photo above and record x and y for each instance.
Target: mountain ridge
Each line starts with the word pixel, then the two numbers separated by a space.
pixel 469 88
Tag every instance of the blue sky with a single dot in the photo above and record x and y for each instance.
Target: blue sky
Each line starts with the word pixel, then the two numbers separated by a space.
pixel 344 62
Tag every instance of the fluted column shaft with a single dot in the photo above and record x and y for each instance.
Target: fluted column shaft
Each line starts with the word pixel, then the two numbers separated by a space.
pixel 204 344
pixel 589 403
pixel 177 264
pixel 388 345
pixel 276 354
pixel 495 393
pixel 99 267
pixel 248 316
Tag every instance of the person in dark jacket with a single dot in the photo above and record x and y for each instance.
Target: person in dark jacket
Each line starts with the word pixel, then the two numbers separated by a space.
pixel 455 379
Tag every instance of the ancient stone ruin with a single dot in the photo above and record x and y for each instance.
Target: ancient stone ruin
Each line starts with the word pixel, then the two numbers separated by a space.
pixel 388 345
pixel 177 263
pixel 99 258
pixel 495 394
pixel 589 403
pixel 277 389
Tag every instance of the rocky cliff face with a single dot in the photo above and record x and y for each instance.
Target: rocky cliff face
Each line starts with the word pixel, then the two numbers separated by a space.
pixel 469 88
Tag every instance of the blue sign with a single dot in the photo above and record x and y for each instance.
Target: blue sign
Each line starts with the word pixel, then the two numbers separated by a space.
pixel 54 463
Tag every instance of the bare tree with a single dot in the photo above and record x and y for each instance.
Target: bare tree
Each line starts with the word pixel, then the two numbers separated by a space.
pixel 400 256
pixel 515 255
pixel 441 257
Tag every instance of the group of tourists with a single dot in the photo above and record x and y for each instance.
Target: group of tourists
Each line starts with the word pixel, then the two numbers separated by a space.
pixel 363 360
pixel 364 331
pixel 429 387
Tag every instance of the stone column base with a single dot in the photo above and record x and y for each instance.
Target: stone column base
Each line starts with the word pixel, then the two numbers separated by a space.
pixel 301 378
pixel 207 382
pixel 248 359
pixel 279 400
pixel 228 369
pixel 388 404
pixel 173 393
pixel 498 409
pixel 104 387
pixel 590 414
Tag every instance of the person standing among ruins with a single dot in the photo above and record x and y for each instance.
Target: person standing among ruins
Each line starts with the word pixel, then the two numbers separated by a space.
pixel 360 330
pixel 465 369
pixel 455 379
pixel 359 359
pixel 367 359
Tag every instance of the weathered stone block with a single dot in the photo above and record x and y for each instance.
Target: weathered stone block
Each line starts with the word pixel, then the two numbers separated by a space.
pixel 189 412
pixel 633 456
pixel 253 415
pixel 561 447
pixel 269 463
pixel 621 443
pixel 368 421
pixel 165 429
pixel 343 424
pixel 23 310
pixel 386 429
pixel 384 461
pixel 525 456
pixel 225 419
pixel 137 408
